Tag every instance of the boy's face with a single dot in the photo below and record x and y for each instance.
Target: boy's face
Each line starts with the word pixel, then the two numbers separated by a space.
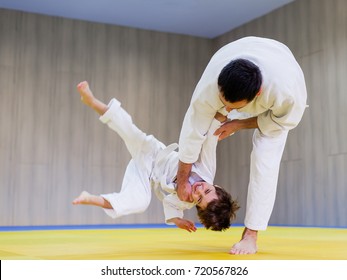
pixel 203 193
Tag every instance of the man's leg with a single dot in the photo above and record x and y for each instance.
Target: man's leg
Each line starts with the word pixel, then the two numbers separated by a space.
pixel 247 244
pixel 265 163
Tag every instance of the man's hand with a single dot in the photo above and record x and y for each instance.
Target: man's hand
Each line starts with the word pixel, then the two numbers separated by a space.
pixel 230 127
pixel 184 224
pixel 184 192
pixel 227 129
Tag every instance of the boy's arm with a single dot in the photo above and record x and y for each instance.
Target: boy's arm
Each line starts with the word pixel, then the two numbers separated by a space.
pixel 89 99
pixel 173 211
pixel 183 224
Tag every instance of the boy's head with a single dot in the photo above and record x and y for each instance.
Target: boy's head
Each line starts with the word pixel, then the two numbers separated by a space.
pixel 214 205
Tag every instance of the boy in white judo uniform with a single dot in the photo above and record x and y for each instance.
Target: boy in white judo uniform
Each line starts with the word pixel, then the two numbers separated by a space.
pixel 261 84
pixel 153 167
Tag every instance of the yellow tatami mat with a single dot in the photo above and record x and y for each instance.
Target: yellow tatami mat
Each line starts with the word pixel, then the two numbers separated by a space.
pixel 277 243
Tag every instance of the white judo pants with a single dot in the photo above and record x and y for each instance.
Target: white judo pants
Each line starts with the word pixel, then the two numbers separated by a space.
pixel 135 194
pixel 265 164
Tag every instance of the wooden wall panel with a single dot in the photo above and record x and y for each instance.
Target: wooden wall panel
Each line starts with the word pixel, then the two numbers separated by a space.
pixel 52 146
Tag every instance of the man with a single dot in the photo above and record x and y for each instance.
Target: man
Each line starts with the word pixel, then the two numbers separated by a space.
pixel 260 78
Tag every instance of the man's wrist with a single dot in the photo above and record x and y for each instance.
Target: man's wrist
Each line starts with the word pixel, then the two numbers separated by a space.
pixel 247 123
pixel 183 173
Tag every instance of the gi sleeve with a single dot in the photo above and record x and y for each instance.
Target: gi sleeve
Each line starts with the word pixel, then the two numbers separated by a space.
pixel 206 164
pixel 197 122
pixel 174 207
pixel 283 116
pixel 113 106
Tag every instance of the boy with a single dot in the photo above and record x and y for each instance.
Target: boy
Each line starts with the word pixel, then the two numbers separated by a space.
pixel 154 166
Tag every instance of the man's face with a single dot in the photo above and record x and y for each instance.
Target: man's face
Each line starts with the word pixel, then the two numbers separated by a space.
pixel 203 193
pixel 232 105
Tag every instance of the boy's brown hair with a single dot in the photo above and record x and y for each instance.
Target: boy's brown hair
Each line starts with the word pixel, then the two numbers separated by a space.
pixel 219 212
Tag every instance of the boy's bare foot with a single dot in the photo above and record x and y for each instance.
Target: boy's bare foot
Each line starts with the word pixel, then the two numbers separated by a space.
pixel 86 94
pixel 88 98
pixel 83 198
pixel 86 198
pixel 83 85
pixel 248 243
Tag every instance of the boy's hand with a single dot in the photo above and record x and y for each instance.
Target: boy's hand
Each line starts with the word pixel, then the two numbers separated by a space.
pixel 184 224
pixel 86 94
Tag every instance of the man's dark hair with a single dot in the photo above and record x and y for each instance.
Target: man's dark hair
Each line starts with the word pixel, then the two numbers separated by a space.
pixel 240 80
pixel 219 212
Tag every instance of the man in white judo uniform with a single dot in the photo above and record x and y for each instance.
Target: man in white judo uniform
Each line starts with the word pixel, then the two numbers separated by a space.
pixel 257 83
pixel 153 167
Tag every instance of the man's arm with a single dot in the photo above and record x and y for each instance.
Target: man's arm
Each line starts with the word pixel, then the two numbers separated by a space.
pixel 207 163
pixel 195 126
pixel 231 127
pixel 184 189
pixel 184 169
pixel 89 99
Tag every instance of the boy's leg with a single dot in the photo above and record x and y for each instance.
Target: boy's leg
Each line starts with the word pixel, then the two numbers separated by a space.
pixel 119 121
pixel 135 193
pixel 137 142
pixel 134 196
pixel 86 198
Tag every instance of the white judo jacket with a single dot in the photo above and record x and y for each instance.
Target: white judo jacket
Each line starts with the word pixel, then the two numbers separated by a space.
pixel 153 167
pixel 280 105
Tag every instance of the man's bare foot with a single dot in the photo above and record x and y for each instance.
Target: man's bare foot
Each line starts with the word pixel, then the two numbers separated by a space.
pixel 247 245
pixel 83 198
